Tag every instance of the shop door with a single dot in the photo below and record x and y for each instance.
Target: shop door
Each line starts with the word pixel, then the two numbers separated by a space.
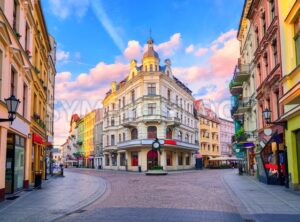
pixel 19 163
pixel 9 172
pixel 298 151
pixel 152 159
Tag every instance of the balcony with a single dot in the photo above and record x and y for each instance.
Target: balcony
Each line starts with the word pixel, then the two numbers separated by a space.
pixel 235 88
pixel 152 118
pixel 245 105
pixel 241 73
pixel 173 121
pixel 129 122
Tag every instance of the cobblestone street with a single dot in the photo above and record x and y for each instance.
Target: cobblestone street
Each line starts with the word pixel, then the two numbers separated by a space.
pixel 183 196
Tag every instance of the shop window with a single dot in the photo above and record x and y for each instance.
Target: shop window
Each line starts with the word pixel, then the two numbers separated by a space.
pixel 152 132
pixel 180 159
pixel 107 160
pixel 169 158
pixel 187 160
pixel 134 158
pixel 114 159
pixel 134 134
pixel 122 159
pixel 169 133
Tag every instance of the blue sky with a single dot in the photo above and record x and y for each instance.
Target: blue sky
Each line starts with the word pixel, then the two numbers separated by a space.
pixel 97 38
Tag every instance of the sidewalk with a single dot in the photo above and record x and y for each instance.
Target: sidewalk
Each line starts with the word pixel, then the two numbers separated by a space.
pixel 59 196
pixel 264 202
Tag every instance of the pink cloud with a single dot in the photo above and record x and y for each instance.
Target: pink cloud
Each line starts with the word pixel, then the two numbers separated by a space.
pixel 169 48
pixel 201 52
pixel 190 49
pixel 133 50
pixel 225 36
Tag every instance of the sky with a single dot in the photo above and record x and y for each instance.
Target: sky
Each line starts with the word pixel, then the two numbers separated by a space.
pixel 96 39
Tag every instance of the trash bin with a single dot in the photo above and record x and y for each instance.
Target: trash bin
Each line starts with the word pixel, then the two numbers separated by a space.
pixel 38 180
pixel 140 169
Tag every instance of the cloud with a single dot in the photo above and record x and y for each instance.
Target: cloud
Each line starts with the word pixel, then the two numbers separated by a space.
pixel 201 52
pixel 133 50
pixel 104 19
pixel 62 56
pixel 190 49
pixel 169 48
pixel 225 36
pixel 66 8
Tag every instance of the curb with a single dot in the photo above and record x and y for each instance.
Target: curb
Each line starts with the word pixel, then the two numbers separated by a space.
pixel 94 197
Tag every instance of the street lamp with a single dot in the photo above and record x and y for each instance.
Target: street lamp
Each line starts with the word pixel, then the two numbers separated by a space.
pixel 267 117
pixel 12 104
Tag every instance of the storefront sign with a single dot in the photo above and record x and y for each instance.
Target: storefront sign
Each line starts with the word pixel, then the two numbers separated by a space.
pixel 170 142
pixel 20 126
pixel 37 139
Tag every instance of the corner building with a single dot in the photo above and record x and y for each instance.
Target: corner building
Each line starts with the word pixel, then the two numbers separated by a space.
pixel 149 103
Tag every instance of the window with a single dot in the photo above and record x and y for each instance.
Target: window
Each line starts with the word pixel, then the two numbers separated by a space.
pixel 266 63
pixel 122 159
pixel 112 140
pixel 151 68
pixel 106 160
pixel 124 136
pixel 107 140
pixel 151 89
pixel 13 82
pixel 25 91
pixel 180 136
pixel 16 15
pixel 257 37
pixel 181 102
pixel 112 121
pixel 187 160
pixel 259 73
pixel 169 133
pixel 169 158
pixel 169 95
pixel 120 137
pixel 151 108
pixel 187 137
pixel 113 106
pixel 134 134
pixel 297 40
pixel 2 4
pixel 27 39
pixel 119 103
pixel 114 159
pixel 123 101
pixel 176 99
pixel 272 9
pixel 132 96
pixel 107 122
pixel 134 158
pixel 180 159
pixel 263 23
pixel 275 54
pixel 152 132
pixel 123 117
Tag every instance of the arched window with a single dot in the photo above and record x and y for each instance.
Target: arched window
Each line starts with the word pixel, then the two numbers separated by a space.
pixel 152 132
pixel 169 133
pixel 180 136
pixel 134 134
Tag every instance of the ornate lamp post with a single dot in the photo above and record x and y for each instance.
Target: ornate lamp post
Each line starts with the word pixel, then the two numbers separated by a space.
pixel 267 117
pixel 12 104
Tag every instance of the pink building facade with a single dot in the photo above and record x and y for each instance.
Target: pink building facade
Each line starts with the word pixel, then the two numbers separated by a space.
pixel 15 79
pixel 226 134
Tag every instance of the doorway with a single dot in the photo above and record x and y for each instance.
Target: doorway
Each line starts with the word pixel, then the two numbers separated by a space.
pixel 152 159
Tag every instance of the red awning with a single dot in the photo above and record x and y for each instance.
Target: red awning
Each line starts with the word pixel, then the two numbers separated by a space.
pixel 170 142
pixel 37 139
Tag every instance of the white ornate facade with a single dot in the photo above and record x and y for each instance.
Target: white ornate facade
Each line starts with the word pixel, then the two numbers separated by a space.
pixel 149 103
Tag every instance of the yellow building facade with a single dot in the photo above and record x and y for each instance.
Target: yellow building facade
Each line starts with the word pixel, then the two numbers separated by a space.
pixel 290 48
pixel 88 142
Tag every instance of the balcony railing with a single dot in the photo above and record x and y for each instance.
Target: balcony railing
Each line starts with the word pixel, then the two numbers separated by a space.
pixel 241 73
pixel 235 87
pixel 245 104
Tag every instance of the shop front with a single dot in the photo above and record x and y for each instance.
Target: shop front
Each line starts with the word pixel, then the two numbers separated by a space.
pixel 272 161
pixel 15 164
pixel 39 157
